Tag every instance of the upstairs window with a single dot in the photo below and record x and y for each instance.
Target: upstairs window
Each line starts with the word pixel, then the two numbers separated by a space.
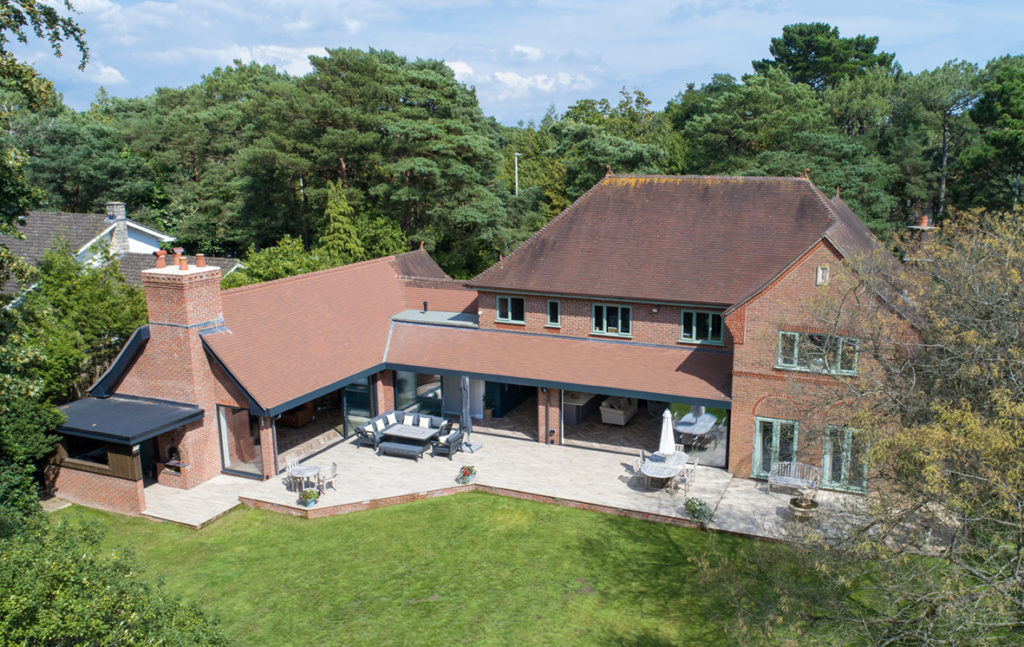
pixel 554 314
pixel 817 353
pixel 511 310
pixel 613 320
pixel 701 327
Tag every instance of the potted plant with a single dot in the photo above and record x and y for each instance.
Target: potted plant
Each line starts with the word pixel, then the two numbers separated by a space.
pixel 309 496
pixel 488 408
pixel 465 475
pixel 804 506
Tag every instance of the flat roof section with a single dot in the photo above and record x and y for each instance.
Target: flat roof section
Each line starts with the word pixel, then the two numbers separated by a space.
pixel 125 420
pixel 438 318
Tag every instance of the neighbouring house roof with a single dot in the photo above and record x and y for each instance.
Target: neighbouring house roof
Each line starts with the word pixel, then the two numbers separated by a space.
pixel 43 228
pixel 284 340
pixel 131 265
pixel 124 419
pixel 638 370
pixel 678 239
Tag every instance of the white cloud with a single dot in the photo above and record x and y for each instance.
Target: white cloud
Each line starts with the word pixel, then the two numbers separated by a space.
pixel 104 74
pixel 294 60
pixel 517 86
pixel 527 52
pixel 463 72
pixel 298 25
pixel 352 25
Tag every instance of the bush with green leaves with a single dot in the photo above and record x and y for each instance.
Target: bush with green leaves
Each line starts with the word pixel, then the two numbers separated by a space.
pixel 61 588
pixel 699 511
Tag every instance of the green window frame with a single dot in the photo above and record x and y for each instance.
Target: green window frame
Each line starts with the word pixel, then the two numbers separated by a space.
pixel 774 440
pixel 844 464
pixel 817 353
pixel 511 310
pixel 700 327
pixel 554 314
pixel 612 320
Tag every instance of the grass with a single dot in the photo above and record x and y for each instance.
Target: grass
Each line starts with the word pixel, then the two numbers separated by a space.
pixel 466 569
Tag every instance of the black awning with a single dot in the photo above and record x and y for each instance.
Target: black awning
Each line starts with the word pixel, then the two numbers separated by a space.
pixel 125 420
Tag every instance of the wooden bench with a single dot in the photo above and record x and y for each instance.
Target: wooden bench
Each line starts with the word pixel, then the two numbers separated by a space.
pixel 401 449
pixel 795 475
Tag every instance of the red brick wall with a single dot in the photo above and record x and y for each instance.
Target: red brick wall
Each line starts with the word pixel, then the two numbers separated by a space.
pixel 759 389
pixel 100 491
pixel 549 415
pixel 175 367
pixel 384 385
pixel 650 327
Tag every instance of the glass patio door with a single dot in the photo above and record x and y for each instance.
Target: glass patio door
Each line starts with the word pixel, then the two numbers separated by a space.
pixel 774 441
pixel 844 461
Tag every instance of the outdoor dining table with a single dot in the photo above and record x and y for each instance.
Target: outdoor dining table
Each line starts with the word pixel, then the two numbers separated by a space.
pixel 690 428
pixel 304 472
pixel 664 466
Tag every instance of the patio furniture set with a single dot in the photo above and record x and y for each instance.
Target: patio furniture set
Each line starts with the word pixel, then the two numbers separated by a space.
pixel 308 475
pixel 674 472
pixel 409 434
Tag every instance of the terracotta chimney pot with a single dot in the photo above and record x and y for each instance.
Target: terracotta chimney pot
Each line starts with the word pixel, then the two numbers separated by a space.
pixel 161 258
pixel 182 263
pixel 922 220
pixel 200 260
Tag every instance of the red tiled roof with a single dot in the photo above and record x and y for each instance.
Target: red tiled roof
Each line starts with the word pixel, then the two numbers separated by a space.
pixel 685 373
pixel 290 337
pixel 682 239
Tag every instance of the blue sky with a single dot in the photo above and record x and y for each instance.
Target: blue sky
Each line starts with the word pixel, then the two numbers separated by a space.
pixel 521 56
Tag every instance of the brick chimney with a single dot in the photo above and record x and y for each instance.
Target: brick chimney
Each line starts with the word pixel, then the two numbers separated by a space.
pixel 119 237
pixel 919 233
pixel 181 300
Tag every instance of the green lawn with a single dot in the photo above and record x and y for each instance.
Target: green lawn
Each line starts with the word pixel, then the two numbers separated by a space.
pixel 466 569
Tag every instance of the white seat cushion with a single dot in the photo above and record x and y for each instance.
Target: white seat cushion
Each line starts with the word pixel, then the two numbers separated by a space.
pixel 392 419
pixel 424 422
pixel 378 424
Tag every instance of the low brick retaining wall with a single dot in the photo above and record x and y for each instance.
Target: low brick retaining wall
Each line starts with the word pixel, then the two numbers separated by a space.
pixel 317 511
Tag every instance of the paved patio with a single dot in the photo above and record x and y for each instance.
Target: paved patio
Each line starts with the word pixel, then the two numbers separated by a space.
pixel 568 475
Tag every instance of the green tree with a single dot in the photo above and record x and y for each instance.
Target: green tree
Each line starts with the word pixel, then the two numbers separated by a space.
pixel 993 166
pixel 339 241
pixel 815 54
pixel 62 587
pixel 287 258
pixel 79 316
pixel 587 151
pixel 930 128
pixel 935 555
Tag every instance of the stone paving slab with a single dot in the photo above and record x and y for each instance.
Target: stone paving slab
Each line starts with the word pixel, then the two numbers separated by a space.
pixel 593 477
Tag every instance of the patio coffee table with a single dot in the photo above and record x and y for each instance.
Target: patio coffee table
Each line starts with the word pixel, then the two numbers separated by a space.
pixel 409 432
pixel 664 467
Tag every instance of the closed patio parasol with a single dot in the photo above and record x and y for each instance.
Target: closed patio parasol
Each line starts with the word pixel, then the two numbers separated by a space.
pixel 668 441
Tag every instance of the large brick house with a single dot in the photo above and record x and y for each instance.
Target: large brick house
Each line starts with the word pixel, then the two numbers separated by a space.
pixel 650 289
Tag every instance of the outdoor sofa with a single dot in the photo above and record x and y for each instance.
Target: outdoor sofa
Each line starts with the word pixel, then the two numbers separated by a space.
pixel 618 411
pixel 375 430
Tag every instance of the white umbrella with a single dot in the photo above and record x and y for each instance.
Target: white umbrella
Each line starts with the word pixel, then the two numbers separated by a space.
pixel 668 441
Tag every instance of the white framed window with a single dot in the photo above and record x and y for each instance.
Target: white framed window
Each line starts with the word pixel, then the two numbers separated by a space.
pixel 822 275
pixel 613 320
pixel 554 314
pixel 701 327
pixel 844 464
pixel 511 310
pixel 774 442
pixel 817 353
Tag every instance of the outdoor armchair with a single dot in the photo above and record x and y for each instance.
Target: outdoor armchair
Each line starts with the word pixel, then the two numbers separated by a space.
pixel 447 446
